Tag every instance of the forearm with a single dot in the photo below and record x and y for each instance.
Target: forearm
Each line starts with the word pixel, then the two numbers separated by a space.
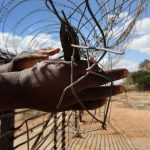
pixel 9 90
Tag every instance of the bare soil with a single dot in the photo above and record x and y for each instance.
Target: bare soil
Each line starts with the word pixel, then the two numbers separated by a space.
pixel 131 113
pixel 129 127
pixel 130 116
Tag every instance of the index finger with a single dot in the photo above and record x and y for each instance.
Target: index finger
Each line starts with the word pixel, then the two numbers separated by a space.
pixel 48 51
pixel 94 80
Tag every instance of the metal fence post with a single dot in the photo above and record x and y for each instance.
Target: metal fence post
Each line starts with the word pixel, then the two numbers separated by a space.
pixel 55 131
pixel 76 120
pixel 7 130
pixel 63 131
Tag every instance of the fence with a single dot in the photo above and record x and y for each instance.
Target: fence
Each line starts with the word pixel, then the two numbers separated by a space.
pixel 33 130
pixel 30 129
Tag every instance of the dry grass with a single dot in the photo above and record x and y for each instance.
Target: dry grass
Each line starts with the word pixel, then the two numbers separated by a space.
pixel 135 97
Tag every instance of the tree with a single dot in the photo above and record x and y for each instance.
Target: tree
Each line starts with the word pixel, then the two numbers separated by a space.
pixel 141 79
pixel 145 65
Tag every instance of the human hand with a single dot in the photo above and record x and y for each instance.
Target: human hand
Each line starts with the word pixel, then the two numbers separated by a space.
pixel 28 59
pixel 42 85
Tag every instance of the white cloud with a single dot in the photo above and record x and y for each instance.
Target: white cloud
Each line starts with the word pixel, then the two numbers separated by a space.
pixel 141 41
pixel 143 26
pixel 17 44
pixel 141 44
pixel 128 64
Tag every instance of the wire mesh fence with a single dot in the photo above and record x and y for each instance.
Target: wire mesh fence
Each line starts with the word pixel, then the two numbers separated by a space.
pixel 30 129
pixel 33 130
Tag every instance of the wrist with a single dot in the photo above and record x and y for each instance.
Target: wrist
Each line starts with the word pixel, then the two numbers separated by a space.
pixel 10 67
pixel 10 90
pixel 5 68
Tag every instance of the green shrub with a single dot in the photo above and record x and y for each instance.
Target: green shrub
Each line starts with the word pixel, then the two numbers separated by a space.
pixel 141 79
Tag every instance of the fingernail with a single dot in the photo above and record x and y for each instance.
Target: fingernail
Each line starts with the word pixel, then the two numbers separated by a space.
pixel 125 73
pixel 120 89
pixel 56 49
pixel 91 59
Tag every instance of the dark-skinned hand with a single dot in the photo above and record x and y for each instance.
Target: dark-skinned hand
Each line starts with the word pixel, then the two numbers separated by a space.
pixel 41 86
pixel 28 59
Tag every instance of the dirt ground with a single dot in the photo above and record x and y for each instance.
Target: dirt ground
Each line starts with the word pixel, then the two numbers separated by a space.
pixel 131 113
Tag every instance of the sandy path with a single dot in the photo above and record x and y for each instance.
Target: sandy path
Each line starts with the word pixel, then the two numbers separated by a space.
pixel 131 119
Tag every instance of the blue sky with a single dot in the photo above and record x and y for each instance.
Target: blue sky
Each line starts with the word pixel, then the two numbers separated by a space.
pixel 11 35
